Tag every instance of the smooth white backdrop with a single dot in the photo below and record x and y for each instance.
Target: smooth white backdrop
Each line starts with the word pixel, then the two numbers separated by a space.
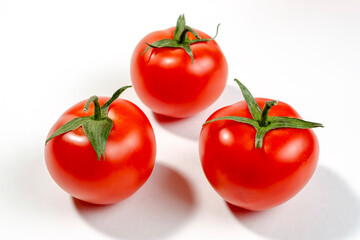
pixel 56 53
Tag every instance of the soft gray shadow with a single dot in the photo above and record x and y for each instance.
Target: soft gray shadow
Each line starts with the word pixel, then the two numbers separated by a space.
pixel 26 184
pixel 325 210
pixel 190 127
pixel 162 205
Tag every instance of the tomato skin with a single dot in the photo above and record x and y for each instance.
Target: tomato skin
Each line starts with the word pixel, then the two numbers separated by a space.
pixel 169 84
pixel 256 179
pixel 129 155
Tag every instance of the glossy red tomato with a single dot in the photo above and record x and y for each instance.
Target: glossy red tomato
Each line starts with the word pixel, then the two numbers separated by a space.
pixel 170 83
pixel 127 162
pixel 256 178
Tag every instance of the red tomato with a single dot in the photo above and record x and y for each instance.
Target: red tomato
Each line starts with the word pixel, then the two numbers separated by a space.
pixel 256 178
pixel 170 83
pixel 128 159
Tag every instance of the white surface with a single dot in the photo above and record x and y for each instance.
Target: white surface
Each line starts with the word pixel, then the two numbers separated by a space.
pixel 56 53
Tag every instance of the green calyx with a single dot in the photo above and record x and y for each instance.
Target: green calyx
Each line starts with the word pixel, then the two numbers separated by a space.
pixel 97 127
pixel 261 120
pixel 181 39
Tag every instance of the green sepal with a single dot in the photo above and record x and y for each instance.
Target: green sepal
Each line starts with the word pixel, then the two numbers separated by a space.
pixel 288 122
pixel 180 38
pixel 169 43
pixel 104 108
pixel 98 132
pixel 193 33
pixel 198 39
pixel 261 121
pixel 67 127
pixel 249 121
pixel 97 127
pixel 254 108
pixel 259 137
pixel 188 50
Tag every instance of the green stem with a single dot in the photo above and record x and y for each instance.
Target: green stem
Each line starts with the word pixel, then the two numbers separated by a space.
pixel 184 34
pixel 264 120
pixel 179 29
pixel 97 110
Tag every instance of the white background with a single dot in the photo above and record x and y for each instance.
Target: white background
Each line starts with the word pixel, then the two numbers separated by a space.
pixel 56 53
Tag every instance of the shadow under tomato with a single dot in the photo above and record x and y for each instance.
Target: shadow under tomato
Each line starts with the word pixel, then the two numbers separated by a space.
pixel 325 209
pixel 155 211
pixel 190 127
